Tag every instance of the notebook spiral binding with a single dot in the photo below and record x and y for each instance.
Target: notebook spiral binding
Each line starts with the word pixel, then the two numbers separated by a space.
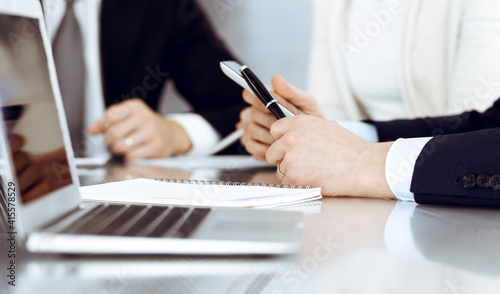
pixel 223 183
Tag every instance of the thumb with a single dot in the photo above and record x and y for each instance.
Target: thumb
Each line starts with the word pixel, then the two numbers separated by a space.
pixel 291 93
pixel 282 87
pixel 97 127
pixel 16 142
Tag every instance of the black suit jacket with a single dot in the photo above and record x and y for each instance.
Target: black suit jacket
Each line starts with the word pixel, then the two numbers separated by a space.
pixel 461 164
pixel 146 42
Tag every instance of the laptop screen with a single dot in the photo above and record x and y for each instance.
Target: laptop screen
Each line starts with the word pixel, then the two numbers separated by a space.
pixel 29 110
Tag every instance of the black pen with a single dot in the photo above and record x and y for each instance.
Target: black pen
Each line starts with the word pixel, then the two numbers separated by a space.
pixel 261 91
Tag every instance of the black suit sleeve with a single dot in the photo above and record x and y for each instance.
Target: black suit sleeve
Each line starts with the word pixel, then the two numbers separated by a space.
pixel 196 71
pixel 454 170
pixel 454 166
pixel 426 127
pixel 144 43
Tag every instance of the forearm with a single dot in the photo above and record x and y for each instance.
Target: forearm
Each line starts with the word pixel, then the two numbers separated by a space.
pixel 371 176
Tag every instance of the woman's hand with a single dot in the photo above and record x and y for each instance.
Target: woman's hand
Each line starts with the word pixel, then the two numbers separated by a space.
pixel 256 120
pixel 317 152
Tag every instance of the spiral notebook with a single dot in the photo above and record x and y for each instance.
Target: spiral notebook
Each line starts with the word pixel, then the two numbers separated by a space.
pixel 199 193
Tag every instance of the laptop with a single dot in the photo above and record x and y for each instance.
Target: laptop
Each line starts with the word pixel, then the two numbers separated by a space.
pixel 47 213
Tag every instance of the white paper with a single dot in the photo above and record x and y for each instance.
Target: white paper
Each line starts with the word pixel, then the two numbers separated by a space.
pixel 147 191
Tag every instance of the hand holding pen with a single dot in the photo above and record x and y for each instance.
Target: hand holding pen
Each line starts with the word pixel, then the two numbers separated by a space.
pixel 256 120
pixel 263 94
pixel 264 102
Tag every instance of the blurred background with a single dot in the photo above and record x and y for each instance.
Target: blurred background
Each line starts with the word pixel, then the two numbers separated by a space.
pixel 271 37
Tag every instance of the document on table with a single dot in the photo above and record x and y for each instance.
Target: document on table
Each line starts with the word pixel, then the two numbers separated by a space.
pixel 199 193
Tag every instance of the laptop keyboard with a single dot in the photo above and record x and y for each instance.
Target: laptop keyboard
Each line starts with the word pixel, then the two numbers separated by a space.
pixel 138 221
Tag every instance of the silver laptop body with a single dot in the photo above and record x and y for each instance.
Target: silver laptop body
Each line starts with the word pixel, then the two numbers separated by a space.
pixel 37 164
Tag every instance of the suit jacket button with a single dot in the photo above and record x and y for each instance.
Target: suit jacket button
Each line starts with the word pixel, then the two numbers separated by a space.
pixel 483 180
pixel 469 181
pixel 495 182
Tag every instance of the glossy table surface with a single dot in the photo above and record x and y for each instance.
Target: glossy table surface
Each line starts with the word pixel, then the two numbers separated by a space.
pixel 349 246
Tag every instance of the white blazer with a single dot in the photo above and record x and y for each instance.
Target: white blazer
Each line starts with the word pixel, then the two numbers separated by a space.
pixel 449 58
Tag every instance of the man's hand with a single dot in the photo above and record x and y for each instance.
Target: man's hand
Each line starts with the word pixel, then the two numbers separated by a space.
pixel 317 152
pixel 133 129
pixel 256 120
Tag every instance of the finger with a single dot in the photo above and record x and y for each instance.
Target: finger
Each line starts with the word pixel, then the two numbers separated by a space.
pixel 246 137
pixel 260 134
pixel 112 139
pixel 293 95
pixel 254 101
pixel 289 91
pixel 58 155
pixel 123 129
pixel 119 146
pixel 261 118
pixel 281 86
pixel 139 138
pixel 257 149
pixel 285 93
pixel 30 176
pixel 275 153
pixel 286 103
pixel 21 161
pixel 280 170
pixel 114 114
pixel 39 189
pixel 118 112
pixel 97 128
pixel 245 117
pixel 16 142
pixel 282 126
pixel 134 140
pixel 140 117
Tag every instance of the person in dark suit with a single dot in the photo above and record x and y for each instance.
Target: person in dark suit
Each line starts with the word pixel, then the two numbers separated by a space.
pixel 139 45
pixel 448 160
pixel 460 165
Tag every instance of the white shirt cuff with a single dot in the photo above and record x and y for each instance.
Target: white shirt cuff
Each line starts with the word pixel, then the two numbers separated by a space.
pixel 366 131
pixel 202 135
pixel 400 163
pixel 398 235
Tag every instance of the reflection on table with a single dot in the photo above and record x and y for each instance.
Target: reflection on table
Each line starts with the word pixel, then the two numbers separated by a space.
pixel 410 249
pixel 150 275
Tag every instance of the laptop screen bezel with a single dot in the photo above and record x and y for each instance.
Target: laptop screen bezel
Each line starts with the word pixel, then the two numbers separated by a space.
pixel 42 211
